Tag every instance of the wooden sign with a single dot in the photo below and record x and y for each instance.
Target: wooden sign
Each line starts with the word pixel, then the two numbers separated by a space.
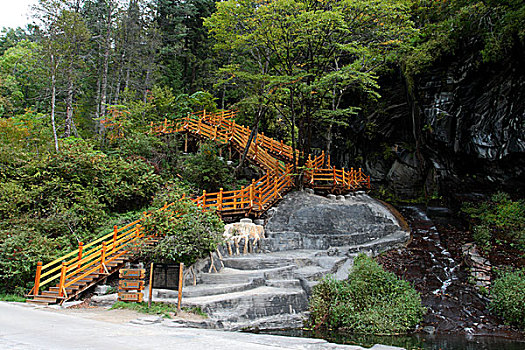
pixel 136 274
pixel 137 297
pixel 131 284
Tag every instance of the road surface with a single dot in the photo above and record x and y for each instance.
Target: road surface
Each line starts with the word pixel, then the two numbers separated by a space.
pixel 23 327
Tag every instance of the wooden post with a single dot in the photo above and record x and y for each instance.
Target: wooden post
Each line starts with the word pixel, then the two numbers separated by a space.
pixel 165 124
pixel 344 183
pixel 181 267
pixel 282 147
pixel 335 175
pixel 37 278
pixel 186 143
pixel 115 234
pixel 103 258
pixel 252 187
pixel 219 199
pixel 62 279
pixel 275 179
pixel 203 199
pixel 241 197
pixel 150 295
pixel 80 248
pixel 352 176
pixel 151 127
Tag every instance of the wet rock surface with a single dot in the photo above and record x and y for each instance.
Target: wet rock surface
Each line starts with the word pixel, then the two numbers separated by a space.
pixel 433 263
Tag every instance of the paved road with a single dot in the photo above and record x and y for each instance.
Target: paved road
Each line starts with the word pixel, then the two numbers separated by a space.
pixel 26 328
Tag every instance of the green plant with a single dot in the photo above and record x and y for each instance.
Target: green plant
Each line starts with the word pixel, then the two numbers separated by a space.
pixel 195 310
pixel 508 297
pixel 207 171
pixel 165 310
pixel 371 300
pixel 482 236
pixel 501 216
pixel 12 297
pixel 187 233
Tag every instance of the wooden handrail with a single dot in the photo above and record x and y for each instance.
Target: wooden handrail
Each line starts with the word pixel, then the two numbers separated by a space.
pixel 275 157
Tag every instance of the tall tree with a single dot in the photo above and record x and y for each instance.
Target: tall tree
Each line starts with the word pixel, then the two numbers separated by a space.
pixel 315 50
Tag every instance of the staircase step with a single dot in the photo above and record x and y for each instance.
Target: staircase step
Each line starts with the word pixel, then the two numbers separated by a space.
pixel 250 304
pixel 46 298
pixel 293 283
pixel 214 289
pixel 229 275
pixel 37 302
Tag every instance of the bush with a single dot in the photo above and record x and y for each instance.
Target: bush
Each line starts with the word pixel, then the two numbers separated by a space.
pixel 482 236
pixel 508 297
pixel 19 253
pixel 207 171
pixel 52 201
pixel 188 234
pixel 501 216
pixel 371 300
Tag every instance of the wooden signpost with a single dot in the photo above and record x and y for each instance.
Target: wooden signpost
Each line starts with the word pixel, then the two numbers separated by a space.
pixel 168 276
pixel 131 284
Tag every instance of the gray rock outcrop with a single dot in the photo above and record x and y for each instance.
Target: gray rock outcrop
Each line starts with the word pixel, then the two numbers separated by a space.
pixel 308 237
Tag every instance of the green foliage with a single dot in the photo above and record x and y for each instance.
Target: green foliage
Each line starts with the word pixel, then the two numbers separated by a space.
pixel 508 297
pixel 12 297
pixel 483 236
pixel 494 27
pixel 206 170
pixel 187 232
pixel 371 300
pixel 195 310
pixel 49 203
pixel 501 215
pixel 162 309
pixel 19 253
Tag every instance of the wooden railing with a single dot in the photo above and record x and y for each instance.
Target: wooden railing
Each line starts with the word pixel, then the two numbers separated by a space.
pixel 273 156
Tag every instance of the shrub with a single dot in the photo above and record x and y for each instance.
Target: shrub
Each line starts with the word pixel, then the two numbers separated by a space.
pixel 508 297
pixel 371 300
pixel 207 171
pixel 188 233
pixel 482 236
pixel 501 216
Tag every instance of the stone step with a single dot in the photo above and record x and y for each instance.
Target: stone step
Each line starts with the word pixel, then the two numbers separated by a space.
pixel 311 273
pixel 291 283
pixel 229 275
pixel 251 304
pixel 210 289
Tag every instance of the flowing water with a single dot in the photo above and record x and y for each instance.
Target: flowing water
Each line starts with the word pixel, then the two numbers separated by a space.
pixel 457 316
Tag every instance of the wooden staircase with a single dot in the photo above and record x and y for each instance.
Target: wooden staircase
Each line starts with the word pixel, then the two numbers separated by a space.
pixel 73 273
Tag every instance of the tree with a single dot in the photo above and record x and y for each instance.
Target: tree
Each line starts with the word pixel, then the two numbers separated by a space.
pixel 305 55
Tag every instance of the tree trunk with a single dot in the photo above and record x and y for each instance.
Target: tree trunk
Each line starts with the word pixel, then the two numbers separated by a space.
pixel 69 102
pixel 104 86
pixel 53 96
pixel 261 111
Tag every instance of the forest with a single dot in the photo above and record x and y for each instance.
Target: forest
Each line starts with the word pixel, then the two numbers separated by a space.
pixel 80 86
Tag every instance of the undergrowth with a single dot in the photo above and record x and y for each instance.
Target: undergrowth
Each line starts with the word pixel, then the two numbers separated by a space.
pixel 371 300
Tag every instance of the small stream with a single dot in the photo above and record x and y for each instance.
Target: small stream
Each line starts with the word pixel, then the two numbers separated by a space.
pixel 457 315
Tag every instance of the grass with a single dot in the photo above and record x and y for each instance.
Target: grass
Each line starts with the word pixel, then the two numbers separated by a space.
pixel 156 308
pixel 12 297
pixel 195 310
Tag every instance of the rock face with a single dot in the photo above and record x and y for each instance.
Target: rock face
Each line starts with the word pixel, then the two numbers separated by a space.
pixel 462 122
pixel 305 221
pixel 308 237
